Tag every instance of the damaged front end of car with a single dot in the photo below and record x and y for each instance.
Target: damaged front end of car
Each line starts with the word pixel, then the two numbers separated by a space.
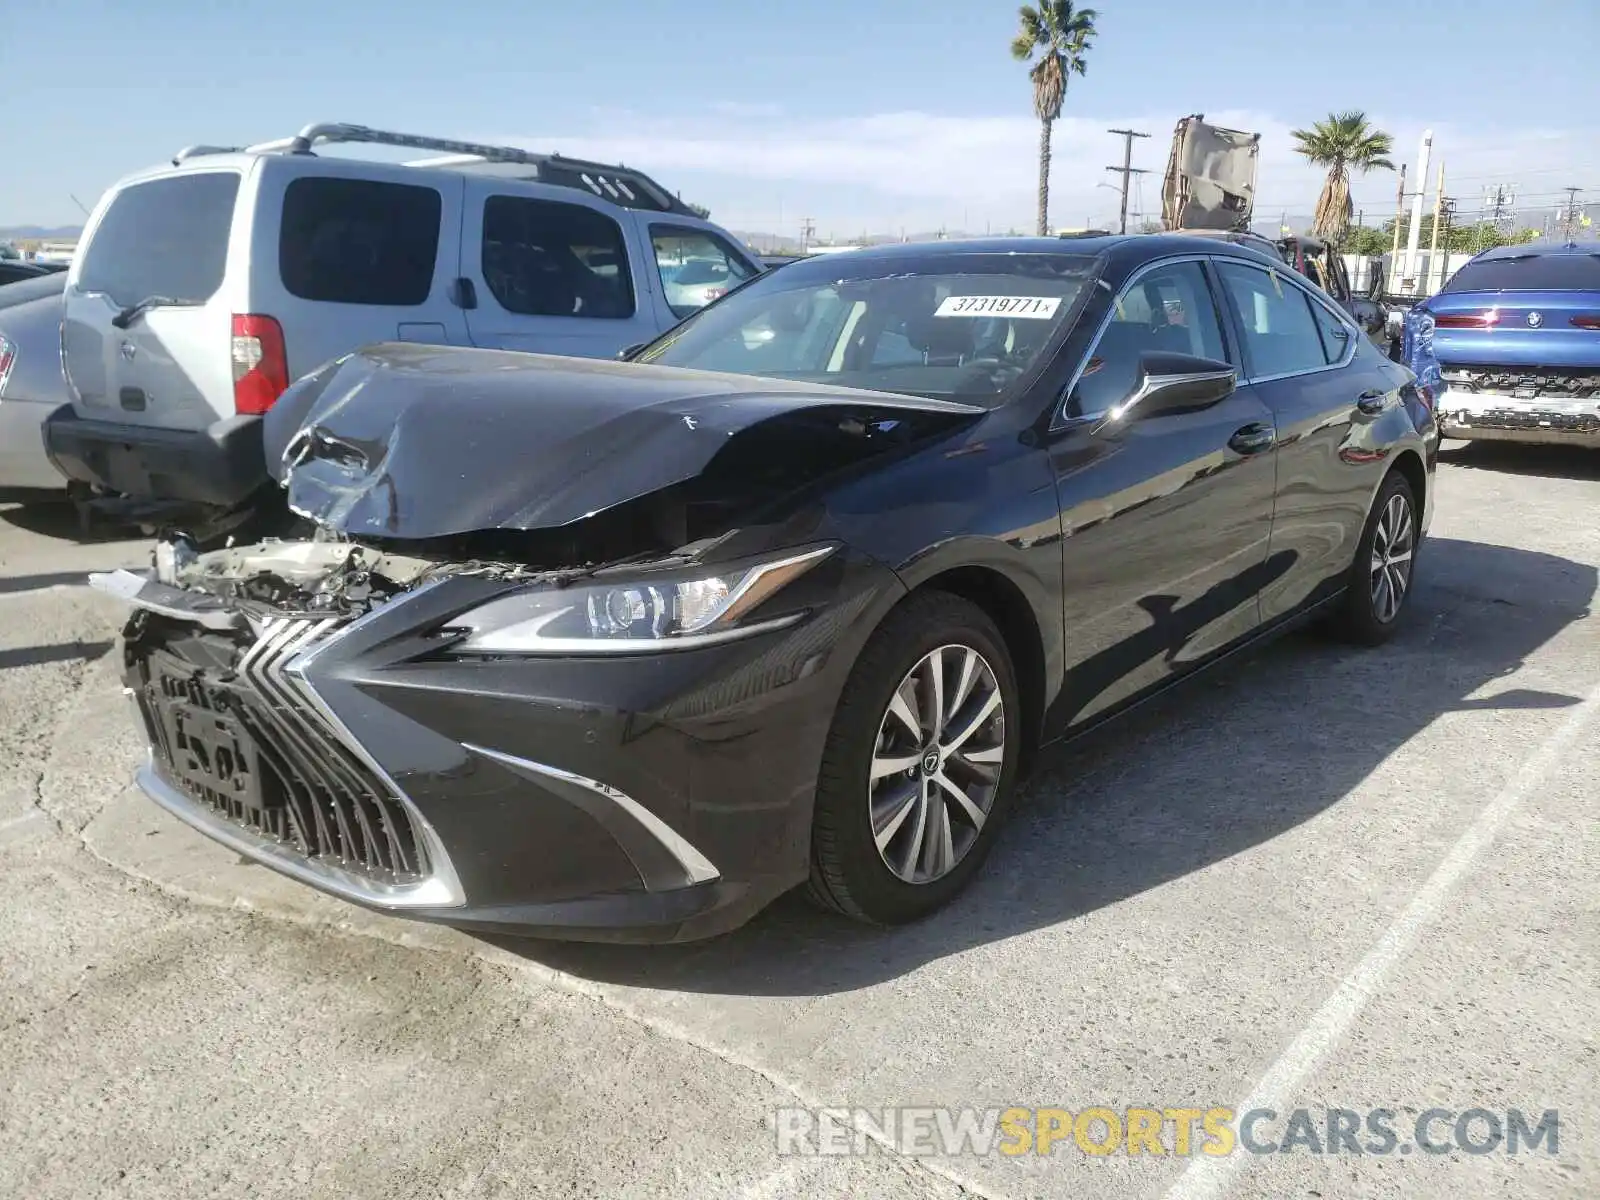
pixel 498 643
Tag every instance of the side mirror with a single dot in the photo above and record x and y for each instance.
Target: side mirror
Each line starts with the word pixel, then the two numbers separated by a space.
pixel 1171 383
pixel 627 352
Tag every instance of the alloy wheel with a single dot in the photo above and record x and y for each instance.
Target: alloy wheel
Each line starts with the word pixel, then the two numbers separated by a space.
pixel 1393 543
pixel 937 762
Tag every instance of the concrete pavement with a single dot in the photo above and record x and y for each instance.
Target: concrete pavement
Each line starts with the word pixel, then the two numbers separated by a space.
pixel 1322 878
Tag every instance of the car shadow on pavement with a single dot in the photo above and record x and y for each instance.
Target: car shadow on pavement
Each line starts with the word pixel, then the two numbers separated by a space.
pixel 33 656
pixel 51 515
pixel 1516 458
pixel 14 584
pixel 1206 772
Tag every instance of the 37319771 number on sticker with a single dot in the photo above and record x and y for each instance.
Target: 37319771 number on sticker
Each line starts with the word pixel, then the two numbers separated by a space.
pixel 1037 308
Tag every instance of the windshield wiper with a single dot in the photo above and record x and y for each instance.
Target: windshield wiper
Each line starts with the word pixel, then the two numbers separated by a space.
pixel 133 312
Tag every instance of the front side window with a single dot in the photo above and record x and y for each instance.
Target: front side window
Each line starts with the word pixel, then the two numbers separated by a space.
pixel 359 241
pixel 949 325
pixel 1168 309
pixel 1280 334
pixel 167 237
pixel 696 267
pixel 545 258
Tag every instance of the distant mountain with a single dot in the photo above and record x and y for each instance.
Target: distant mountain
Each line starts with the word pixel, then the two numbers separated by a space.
pixel 46 232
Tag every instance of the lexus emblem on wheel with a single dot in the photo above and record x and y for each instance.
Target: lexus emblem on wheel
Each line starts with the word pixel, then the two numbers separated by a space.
pixel 1535 319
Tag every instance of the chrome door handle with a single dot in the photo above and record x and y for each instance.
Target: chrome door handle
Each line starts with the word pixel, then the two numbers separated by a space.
pixel 1253 438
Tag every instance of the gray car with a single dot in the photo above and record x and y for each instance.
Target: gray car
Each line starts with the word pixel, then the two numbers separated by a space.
pixel 31 384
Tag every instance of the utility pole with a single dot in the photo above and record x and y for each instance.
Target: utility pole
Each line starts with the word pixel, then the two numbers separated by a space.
pixel 1399 219
pixel 1569 219
pixel 1433 238
pixel 1500 200
pixel 1127 170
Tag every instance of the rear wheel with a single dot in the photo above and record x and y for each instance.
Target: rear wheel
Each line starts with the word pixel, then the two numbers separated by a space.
pixel 919 766
pixel 1379 586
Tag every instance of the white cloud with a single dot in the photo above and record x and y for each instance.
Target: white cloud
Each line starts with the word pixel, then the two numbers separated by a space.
pixel 757 167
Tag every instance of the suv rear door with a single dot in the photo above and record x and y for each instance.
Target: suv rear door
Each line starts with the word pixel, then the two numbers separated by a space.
pixel 345 253
pixel 162 242
pixel 553 276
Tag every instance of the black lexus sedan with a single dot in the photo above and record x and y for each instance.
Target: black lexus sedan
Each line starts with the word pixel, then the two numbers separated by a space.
pixel 624 650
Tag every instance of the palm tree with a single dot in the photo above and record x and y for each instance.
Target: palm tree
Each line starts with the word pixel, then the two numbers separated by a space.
pixel 1059 34
pixel 1341 143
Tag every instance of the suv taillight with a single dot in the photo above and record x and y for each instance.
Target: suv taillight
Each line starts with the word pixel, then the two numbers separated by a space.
pixel 8 355
pixel 260 364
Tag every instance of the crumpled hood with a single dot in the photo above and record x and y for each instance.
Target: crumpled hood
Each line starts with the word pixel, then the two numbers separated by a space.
pixel 409 441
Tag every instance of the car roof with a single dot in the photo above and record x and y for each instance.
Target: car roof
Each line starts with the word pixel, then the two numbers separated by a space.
pixel 1541 249
pixel 1124 247
pixel 625 187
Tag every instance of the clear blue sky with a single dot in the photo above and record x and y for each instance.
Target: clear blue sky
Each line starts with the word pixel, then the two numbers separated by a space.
pixel 861 113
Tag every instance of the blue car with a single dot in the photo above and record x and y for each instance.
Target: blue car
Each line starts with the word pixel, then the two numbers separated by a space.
pixel 1509 349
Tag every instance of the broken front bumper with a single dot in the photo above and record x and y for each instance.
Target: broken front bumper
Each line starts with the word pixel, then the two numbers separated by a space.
pixel 1489 416
pixel 652 797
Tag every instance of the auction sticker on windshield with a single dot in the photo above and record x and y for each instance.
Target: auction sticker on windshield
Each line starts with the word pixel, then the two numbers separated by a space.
pixel 1038 308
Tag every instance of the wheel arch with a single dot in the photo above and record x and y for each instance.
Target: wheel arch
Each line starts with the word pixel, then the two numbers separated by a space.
pixel 1007 606
pixel 1409 463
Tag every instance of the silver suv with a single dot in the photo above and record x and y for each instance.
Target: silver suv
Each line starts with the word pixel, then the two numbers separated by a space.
pixel 203 287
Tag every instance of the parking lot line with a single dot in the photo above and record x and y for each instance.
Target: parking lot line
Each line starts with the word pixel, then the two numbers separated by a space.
pixel 1206 1178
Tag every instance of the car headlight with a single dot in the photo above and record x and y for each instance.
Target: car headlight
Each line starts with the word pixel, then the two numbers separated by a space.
pixel 659 611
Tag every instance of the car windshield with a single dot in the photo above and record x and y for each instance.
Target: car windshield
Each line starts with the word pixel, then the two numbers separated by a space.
pixel 1529 273
pixel 951 325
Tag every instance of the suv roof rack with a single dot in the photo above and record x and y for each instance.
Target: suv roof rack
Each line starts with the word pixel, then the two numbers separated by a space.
pixel 620 185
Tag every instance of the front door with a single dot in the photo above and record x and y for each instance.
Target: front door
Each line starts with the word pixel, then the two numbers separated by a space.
pixel 1166 524
pixel 551 276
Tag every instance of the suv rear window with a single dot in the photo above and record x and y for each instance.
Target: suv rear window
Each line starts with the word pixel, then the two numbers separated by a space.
pixel 358 241
pixel 167 237
pixel 1529 273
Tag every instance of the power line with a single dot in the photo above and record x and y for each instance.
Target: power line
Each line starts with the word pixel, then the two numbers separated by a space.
pixel 1127 169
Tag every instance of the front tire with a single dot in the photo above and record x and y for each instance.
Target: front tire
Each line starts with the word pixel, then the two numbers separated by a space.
pixel 1379 587
pixel 920 765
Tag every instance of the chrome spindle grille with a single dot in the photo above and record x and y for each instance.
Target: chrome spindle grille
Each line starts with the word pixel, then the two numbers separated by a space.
pixel 313 792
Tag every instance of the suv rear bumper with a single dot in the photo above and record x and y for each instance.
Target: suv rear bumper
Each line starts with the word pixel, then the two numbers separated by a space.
pixel 220 465
pixel 1550 420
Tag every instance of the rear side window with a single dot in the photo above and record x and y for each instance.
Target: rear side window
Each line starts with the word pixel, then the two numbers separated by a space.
pixel 543 258
pixel 1335 333
pixel 1280 334
pixel 358 241
pixel 1529 273
pixel 696 266
pixel 167 237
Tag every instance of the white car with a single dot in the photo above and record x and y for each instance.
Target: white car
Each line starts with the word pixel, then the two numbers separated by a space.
pixel 203 287
pixel 31 386
pixel 699 281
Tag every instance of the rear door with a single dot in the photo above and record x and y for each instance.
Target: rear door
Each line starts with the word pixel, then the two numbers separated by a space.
pixel 343 254
pixel 1312 367
pixel 551 276
pixel 162 243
